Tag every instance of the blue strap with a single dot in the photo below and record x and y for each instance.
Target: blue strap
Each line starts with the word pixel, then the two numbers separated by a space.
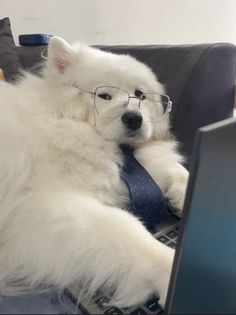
pixel 146 199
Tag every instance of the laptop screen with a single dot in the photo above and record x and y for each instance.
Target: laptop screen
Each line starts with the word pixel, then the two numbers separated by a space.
pixel 204 274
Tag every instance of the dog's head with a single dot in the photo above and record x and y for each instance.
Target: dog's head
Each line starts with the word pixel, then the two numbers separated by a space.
pixel 116 94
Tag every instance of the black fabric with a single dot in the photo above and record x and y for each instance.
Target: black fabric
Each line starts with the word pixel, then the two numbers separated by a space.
pixel 39 303
pixel 200 80
pixel 9 61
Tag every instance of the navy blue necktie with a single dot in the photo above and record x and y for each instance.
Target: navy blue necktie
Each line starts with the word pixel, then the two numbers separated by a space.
pixel 146 199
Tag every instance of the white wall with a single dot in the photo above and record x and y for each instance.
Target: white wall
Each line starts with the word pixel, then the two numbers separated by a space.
pixel 125 21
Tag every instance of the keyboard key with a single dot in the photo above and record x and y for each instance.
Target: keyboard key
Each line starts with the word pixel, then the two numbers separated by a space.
pixel 172 234
pixel 54 299
pixel 113 311
pixel 101 302
pixel 172 245
pixel 138 311
pixel 163 239
pixel 153 306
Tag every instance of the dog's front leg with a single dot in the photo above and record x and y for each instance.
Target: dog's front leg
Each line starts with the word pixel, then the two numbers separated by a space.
pixel 177 178
pixel 163 163
pixel 65 238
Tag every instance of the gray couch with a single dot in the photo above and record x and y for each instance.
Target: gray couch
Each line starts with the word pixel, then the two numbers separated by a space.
pixel 200 80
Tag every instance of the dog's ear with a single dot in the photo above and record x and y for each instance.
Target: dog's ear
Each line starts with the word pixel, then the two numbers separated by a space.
pixel 60 54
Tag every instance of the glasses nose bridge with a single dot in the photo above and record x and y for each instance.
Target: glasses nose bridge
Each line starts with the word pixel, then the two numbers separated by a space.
pixel 133 104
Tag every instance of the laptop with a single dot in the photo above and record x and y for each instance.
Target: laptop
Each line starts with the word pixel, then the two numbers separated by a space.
pixel 203 279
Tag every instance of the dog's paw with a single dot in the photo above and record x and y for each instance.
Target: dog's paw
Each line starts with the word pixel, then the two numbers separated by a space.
pixel 177 191
pixel 163 278
pixel 176 197
pixel 142 283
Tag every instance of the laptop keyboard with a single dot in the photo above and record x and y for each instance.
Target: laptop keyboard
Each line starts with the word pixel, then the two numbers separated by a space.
pixel 98 305
pixel 169 238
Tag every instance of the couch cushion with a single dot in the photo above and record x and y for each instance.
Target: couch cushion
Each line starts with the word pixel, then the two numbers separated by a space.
pixel 32 57
pixel 9 61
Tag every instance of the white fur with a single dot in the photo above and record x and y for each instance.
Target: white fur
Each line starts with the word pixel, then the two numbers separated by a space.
pixel 62 202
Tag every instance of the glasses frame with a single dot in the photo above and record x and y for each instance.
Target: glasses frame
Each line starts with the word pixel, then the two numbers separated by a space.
pixel 93 94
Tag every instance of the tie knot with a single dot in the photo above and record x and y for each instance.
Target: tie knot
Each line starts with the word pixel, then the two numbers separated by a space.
pixel 127 149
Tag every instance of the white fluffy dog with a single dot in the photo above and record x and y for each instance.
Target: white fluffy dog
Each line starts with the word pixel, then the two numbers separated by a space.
pixel 63 205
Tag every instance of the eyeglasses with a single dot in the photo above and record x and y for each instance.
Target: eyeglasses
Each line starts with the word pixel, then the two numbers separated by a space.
pixel 111 101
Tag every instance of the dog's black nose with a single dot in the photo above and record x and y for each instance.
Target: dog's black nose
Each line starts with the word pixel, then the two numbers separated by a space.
pixel 132 120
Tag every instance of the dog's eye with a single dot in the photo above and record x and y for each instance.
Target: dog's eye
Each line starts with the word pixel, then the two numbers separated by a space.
pixel 105 96
pixel 139 94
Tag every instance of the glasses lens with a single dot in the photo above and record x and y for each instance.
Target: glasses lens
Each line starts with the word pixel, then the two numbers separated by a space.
pixel 110 101
pixel 162 104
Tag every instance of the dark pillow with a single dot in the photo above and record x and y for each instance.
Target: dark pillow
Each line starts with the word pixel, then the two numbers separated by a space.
pixel 8 57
